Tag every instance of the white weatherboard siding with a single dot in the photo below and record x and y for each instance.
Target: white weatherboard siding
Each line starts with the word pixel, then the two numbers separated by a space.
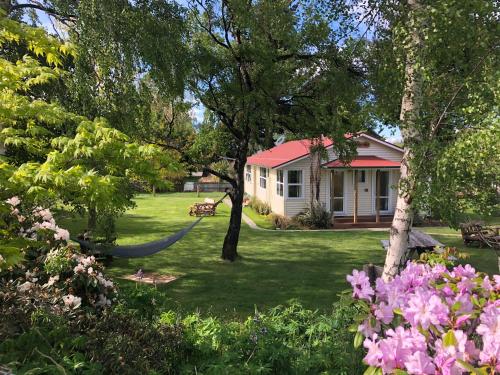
pixel 268 194
pixel 380 150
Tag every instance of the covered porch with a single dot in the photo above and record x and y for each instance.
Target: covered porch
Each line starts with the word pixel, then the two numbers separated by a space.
pixel 362 193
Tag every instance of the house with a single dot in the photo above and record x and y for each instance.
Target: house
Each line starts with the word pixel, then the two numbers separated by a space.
pixel 280 177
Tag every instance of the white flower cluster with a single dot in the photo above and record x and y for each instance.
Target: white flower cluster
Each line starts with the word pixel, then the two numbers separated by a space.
pixel 52 281
pixel 44 214
pixel 72 301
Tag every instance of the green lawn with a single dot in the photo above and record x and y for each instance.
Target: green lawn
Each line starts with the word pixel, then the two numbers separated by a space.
pixel 275 266
pixel 261 220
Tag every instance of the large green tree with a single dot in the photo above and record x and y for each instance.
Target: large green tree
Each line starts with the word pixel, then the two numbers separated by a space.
pixel 262 67
pixel 91 165
pixel 433 69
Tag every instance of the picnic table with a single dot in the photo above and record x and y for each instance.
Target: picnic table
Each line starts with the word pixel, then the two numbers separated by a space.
pixel 419 242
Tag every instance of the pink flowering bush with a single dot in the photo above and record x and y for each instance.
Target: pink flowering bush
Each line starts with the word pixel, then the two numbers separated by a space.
pixel 430 320
pixel 51 273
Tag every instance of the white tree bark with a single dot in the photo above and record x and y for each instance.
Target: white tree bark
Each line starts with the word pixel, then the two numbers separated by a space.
pixel 410 109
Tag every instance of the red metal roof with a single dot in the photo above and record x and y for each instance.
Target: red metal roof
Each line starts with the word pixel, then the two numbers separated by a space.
pixel 284 153
pixel 364 161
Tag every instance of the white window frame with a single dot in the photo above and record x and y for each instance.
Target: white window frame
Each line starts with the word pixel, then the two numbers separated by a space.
pixel 301 184
pixel 263 178
pixel 374 191
pixel 280 184
pixel 344 197
pixel 248 173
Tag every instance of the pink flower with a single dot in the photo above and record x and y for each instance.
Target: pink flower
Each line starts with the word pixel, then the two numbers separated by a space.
pixel 384 313
pixel 419 363
pixel 425 309
pixel 361 285
pixel 460 271
pixel 374 355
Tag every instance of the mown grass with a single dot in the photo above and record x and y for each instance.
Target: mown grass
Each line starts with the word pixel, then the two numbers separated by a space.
pixel 275 266
pixel 262 221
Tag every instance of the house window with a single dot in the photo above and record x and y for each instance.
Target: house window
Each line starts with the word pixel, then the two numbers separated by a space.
pixel 279 182
pixel 263 178
pixel 294 184
pixel 361 176
pixel 248 173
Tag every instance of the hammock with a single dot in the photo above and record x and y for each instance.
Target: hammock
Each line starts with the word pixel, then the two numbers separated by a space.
pixel 136 251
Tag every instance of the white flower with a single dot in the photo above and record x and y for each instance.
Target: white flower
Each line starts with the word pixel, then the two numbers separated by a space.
pixel 72 301
pixel 52 281
pixel 24 287
pixel 88 261
pixel 45 214
pixel 90 270
pixel 79 268
pixel 21 218
pixel 61 234
pixel 14 201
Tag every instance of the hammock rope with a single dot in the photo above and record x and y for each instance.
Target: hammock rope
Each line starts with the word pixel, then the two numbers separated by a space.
pixel 140 250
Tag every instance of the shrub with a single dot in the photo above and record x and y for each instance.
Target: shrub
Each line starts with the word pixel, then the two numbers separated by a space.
pixel 287 340
pixel 316 217
pixel 53 275
pixel 260 207
pixel 430 320
pixel 280 221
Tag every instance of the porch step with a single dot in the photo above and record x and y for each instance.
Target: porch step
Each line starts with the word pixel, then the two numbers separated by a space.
pixel 362 219
pixel 386 224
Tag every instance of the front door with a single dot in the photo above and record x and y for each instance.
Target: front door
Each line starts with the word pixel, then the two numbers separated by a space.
pixel 337 194
pixel 384 189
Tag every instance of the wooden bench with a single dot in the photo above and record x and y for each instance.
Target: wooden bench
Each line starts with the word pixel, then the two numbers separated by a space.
pixel 419 242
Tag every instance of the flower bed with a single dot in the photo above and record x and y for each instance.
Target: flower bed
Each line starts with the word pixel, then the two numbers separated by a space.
pixel 430 320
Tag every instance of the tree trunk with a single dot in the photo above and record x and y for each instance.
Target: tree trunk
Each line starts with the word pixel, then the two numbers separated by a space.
pixel 411 102
pixel 230 246
pixel 92 219
pixel 315 172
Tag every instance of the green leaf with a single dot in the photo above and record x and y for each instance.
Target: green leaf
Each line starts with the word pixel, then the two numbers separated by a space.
pixel 449 339
pixel 358 339
pixel 472 369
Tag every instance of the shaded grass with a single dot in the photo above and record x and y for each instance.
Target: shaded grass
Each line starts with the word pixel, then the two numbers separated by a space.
pixel 274 267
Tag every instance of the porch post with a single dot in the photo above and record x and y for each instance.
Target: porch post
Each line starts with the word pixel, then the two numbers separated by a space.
pixel 355 196
pixel 377 196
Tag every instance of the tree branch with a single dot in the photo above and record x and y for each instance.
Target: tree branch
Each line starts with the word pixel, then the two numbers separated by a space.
pixel 42 8
pixel 222 176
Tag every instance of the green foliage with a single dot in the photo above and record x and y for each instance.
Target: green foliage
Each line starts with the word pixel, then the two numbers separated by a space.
pixel 135 39
pixel 469 168
pixel 262 208
pixel 452 158
pixel 91 165
pixel 286 340
pixel 316 217
pixel 448 257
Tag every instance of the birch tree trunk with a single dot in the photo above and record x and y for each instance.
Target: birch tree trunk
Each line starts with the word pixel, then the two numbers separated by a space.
pixel 411 103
